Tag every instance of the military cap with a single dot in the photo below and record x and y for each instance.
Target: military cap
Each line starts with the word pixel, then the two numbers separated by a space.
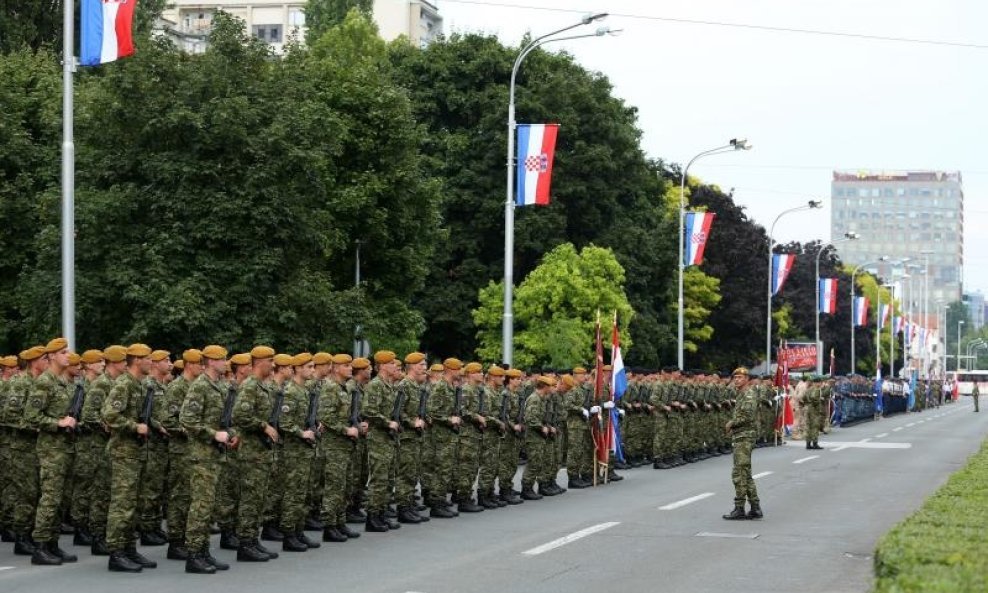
pixel 543 380
pixel 495 371
pixel 283 360
pixel 92 356
pixel 436 368
pixel 214 352
pixel 8 361
pixel 739 371
pixel 472 367
pixel 74 359
pixel 139 350
pixel 159 355
pixel 33 353
pixel 301 359
pixel 259 352
pixel 241 358
pixel 414 358
pixel 569 381
pixel 453 364
pixel 193 355
pixel 607 367
pixel 513 373
pixel 322 358
pixel 56 345
pixel 343 359
pixel 115 353
pixel 179 364
pixel 360 363
pixel 384 356
pixel 579 370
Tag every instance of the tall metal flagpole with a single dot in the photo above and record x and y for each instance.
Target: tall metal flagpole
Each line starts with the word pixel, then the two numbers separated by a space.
pixel 68 176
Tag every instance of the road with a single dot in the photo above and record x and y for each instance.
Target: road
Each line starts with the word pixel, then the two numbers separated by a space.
pixel 655 531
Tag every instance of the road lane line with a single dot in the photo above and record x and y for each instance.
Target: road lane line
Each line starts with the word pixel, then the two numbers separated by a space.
pixel 6 567
pixel 805 459
pixel 761 475
pixel 568 539
pixel 910 424
pixel 897 429
pixel 881 436
pixel 685 501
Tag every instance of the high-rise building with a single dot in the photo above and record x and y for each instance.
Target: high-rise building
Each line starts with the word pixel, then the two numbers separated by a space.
pixel 904 214
pixel 276 22
pixel 975 302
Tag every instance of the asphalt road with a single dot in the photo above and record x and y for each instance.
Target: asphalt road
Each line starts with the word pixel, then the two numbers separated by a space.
pixel 655 531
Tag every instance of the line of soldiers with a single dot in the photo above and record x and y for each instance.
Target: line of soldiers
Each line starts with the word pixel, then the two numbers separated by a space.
pixel 269 445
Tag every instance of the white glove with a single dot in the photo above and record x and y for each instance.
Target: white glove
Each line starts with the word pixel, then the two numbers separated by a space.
pixel 595 409
pixel 621 412
pixel 608 405
pixel 586 413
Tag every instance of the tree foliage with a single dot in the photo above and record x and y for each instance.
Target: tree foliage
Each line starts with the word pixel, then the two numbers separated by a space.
pixel 323 15
pixel 37 24
pixel 701 295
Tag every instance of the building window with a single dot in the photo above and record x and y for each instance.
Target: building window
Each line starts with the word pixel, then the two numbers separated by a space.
pixel 296 17
pixel 874 192
pixel 862 193
pixel 269 33
pixel 900 192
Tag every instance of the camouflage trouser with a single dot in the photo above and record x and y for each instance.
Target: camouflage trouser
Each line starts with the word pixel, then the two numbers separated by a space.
pixel 647 434
pixel 6 510
pixel 205 466
pixel 337 455
pixel 228 492
pixel 297 456
pixel 256 465
pixel 467 461
pixel 357 482
pixel 744 485
pixel 83 470
pixel 125 480
pixel 317 484
pixel 443 463
pixel 178 488
pixel 54 463
pixel 276 487
pixel 408 470
pixel 380 456
pixel 489 450
pixel 562 438
pixel 507 462
pixel 152 494
pixel 537 447
pixel 811 417
pixel 23 490
pixel 99 486
pixel 661 443
pixel 579 454
pixel 677 439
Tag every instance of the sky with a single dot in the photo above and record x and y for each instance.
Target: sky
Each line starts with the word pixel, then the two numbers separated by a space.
pixel 808 103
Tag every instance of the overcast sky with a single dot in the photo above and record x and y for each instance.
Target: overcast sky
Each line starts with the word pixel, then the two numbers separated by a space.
pixel 808 103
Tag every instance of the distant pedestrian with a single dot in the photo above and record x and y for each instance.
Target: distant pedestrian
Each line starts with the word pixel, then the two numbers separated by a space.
pixel 974 396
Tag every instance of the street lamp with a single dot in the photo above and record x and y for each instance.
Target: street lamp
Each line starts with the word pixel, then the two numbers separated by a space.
pixel 507 324
pixel 960 322
pixel 810 205
pixel 852 236
pixel 884 258
pixel 734 145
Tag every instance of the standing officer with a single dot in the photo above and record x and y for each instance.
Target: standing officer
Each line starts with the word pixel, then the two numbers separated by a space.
pixel 178 450
pixel 511 445
pixel 537 443
pixel 473 399
pixel 414 400
pixel 339 418
pixel 496 415
pixel 743 428
pixel 156 469
pixel 578 406
pixel 357 480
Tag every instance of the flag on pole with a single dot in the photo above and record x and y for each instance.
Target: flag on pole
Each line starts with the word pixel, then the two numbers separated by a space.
pixel 861 311
pixel 697 230
pixel 619 384
pixel 536 148
pixel 828 296
pixel 896 324
pixel 601 449
pixel 106 31
pixel 883 315
pixel 781 266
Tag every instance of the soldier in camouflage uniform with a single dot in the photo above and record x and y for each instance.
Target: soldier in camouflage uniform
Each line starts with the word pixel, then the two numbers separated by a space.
pixel 340 422
pixel 471 438
pixel 152 493
pixel 662 449
pixel 445 421
pixel 743 427
pixel 200 418
pixel 322 362
pixel 228 485
pixel 297 455
pixel 23 490
pixel 537 444
pixel 378 406
pixel 276 481
pixel 85 457
pixel 507 463
pixel 9 367
pixel 491 408
pixel 127 451
pixel 177 485
pixel 411 419
pixel 357 480
pixel 578 407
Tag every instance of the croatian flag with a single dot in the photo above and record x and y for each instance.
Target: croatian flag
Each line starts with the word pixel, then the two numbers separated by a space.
pixel 619 384
pixel 861 311
pixel 828 296
pixel 781 266
pixel 697 230
pixel 896 324
pixel 883 316
pixel 106 31
pixel 536 147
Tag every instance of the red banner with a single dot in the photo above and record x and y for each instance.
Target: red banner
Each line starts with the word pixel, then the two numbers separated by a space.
pixel 799 356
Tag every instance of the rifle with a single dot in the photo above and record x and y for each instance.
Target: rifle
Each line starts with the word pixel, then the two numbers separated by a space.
pixel 355 411
pixel 503 414
pixel 547 418
pixel 396 413
pixel 274 418
pixel 481 409
pixel 588 403
pixel 520 420
pixel 423 402
pixel 226 420
pixel 311 416
pixel 146 411
pixel 75 406
pixel 458 405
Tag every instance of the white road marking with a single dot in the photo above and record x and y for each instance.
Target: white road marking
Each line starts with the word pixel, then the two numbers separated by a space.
pixel 805 459
pixel 881 436
pixel 6 567
pixel 729 535
pixel 761 475
pixel 685 501
pixel 910 424
pixel 897 429
pixel 570 538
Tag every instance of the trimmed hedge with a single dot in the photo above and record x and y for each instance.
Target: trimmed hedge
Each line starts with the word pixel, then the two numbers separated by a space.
pixel 942 547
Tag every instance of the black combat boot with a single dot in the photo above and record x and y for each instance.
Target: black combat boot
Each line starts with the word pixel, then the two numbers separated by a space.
pixel 737 514
pixel 345 530
pixel 82 537
pixel 391 523
pixel 271 533
pixel 660 463
pixel 576 483
pixel 152 538
pixel 756 511
pixel 208 556
pixel 548 489
pixel 24 545
pixel 809 444
pixel 375 524
pixel 407 515
pixel 229 540
pixel 613 476
pixel 271 553
pixel 292 543
pixel 816 445
pixel 62 554
pixel 486 502
pixel 249 553
pixel 312 543
pixel 332 534
pixel 529 493
pixel 441 512
pixel 510 497
pixel 355 515
pixel 557 486
pixel 313 524
pixel 44 556
pixel 119 562
pixel 7 535
pixel 197 564
pixel 466 505
pixel 134 556
pixel 99 547
pixel 177 551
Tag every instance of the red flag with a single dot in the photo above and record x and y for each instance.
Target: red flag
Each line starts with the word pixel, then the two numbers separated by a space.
pixel 597 424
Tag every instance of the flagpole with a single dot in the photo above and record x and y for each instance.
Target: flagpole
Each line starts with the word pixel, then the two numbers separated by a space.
pixel 68 175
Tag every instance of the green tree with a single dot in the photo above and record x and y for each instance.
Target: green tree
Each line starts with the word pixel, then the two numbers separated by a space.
pixel 323 15
pixel 555 308
pixel 701 296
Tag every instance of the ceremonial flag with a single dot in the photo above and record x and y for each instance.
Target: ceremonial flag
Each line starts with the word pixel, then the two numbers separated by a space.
pixel 536 147
pixel 106 31
pixel 601 450
pixel 896 324
pixel 784 416
pixel 861 311
pixel 828 296
pixel 781 266
pixel 619 384
pixel 697 230
pixel 883 315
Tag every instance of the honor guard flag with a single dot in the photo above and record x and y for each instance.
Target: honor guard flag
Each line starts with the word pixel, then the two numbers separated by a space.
pixel 828 296
pixel 697 230
pixel 619 384
pixel 861 311
pixel 106 31
pixel 536 147
pixel 781 266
